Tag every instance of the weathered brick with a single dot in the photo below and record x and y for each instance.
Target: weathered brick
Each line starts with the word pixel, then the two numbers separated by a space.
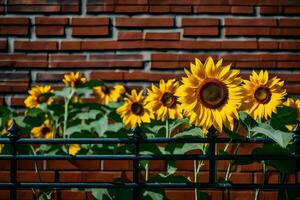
pixel 35 45
pixel 89 21
pixel 149 22
pixel 250 22
pixel 90 31
pixel 170 9
pixel 51 21
pixel 200 31
pixel 130 35
pixel 162 36
pixel 194 22
pixel 43 31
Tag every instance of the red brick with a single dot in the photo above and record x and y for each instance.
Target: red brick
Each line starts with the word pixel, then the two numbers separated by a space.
pixel 251 167
pixel 239 45
pixel 72 165
pixel 70 8
pixel 17 102
pixel 14 30
pixel 50 30
pixel 199 22
pixel 245 195
pixel 144 22
pixel 288 65
pixel 32 176
pixel 112 57
pixel 35 45
pixel 107 76
pixel 100 8
pixel 2 101
pixel 162 36
pixel 102 176
pixel 72 176
pixel 14 21
pixel 289 45
pixel 170 9
pixel 112 165
pixel 21 194
pixel 130 8
pixel 51 21
pixel 291 10
pixel 146 76
pixel 90 21
pixel 293 89
pixel 238 177
pixel 33 9
pixel 244 10
pixel 250 22
pixel 90 31
pixel 67 57
pixel 200 31
pixel 97 64
pixel 70 45
pixel 270 45
pixel 169 65
pixel 289 22
pixel 212 9
pixel 247 31
pixel 71 195
pixel 130 35
pixel 268 10
pixel 3 44
pixel 9 87
pixel 259 177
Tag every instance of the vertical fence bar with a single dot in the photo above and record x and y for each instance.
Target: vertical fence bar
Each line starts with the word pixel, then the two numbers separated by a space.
pixel 297 150
pixel 13 137
pixel 211 153
pixel 136 170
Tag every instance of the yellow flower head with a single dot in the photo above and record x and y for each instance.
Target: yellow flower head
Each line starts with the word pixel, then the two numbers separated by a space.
pixel 134 111
pixel 294 103
pixel 210 94
pixel 37 96
pixel 163 102
pixel 74 79
pixel 262 95
pixel 73 149
pixel 105 94
pixel 43 131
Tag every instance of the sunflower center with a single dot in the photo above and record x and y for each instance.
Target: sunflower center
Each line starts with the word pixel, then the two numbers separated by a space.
pixel 212 93
pixel 136 108
pixel 106 90
pixel 42 99
pixel 263 95
pixel 45 130
pixel 168 99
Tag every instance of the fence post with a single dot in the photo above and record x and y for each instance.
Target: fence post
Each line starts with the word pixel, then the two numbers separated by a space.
pixel 211 153
pixel 297 150
pixel 13 137
pixel 136 170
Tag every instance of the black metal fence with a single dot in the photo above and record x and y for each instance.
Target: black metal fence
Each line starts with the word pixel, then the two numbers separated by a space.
pixel 14 140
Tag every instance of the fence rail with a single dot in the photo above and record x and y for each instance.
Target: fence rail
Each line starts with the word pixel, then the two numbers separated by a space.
pixel 136 140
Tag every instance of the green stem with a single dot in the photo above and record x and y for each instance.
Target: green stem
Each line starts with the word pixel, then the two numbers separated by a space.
pixel 167 128
pixel 67 101
pixel 147 172
pixel 195 179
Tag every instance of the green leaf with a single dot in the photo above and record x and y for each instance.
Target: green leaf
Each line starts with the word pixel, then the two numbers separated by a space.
pixel 34 117
pixel 193 132
pixel 92 83
pixel 152 194
pixel 171 166
pixel 91 114
pixel 284 116
pixel 247 121
pixel 282 138
pixel 288 166
pixel 76 129
pixel 101 194
pixel 100 125
pixel 65 92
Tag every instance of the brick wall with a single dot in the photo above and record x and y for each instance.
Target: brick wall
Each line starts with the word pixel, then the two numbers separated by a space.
pixel 136 42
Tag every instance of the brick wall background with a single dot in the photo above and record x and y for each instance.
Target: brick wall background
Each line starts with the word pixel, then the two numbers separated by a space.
pixel 136 42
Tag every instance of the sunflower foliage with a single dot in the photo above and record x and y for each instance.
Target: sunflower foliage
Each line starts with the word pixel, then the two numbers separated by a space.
pixel 209 95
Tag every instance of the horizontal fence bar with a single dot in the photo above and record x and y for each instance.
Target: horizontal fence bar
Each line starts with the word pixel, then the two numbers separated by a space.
pixel 130 140
pixel 151 185
pixel 149 157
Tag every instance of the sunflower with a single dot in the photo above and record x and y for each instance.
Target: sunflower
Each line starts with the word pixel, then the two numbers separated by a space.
pixel 210 94
pixel 38 95
pixel 262 95
pixel 74 79
pixel 73 149
pixel 43 131
pixel 105 94
pixel 134 111
pixel 162 100
pixel 294 103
